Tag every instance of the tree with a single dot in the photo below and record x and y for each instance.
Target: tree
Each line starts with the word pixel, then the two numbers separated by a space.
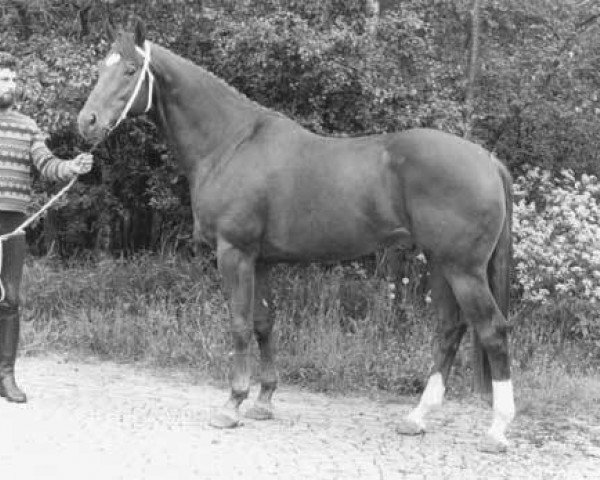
pixel 83 13
pixel 24 23
pixel 529 94
pixel 372 8
pixel 480 361
pixel 472 69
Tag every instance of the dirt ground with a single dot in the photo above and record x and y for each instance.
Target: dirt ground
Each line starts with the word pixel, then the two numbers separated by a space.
pixel 90 419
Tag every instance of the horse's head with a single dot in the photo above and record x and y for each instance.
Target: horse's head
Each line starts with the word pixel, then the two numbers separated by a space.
pixel 124 86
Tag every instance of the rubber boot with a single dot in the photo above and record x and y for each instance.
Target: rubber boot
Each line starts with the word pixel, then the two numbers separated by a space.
pixel 9 341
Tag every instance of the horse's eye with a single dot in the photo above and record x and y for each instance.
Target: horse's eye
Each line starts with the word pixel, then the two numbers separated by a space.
pixel 130 69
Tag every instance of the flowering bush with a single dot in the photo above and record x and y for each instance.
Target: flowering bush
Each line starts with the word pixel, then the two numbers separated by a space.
pixel 557 236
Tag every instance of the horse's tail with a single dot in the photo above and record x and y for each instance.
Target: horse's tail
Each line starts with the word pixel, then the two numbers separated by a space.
pixel 499 281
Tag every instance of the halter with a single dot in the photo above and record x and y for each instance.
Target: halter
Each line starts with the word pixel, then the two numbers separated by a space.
pixel 145 53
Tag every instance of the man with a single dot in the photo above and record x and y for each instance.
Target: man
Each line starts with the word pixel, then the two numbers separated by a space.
pixel 22 145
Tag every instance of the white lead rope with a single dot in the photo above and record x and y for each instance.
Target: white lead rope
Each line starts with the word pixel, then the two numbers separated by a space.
pixel 20 230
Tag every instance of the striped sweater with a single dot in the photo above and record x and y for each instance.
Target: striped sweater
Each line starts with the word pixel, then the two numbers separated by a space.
pixel 22 144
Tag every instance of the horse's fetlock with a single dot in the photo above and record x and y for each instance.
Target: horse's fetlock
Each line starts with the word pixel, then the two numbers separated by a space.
pixel 239 395
pixel 270 385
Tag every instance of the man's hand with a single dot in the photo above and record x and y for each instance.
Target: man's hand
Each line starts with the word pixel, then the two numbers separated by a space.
pixel 81 164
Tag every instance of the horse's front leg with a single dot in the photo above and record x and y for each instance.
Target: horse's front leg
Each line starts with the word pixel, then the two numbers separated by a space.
pixel 237 270
pixel 263 331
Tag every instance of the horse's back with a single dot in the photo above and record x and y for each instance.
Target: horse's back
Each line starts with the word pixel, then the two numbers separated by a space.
pixel 330 198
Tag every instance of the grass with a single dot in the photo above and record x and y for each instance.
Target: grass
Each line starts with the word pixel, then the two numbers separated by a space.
pixel 333 333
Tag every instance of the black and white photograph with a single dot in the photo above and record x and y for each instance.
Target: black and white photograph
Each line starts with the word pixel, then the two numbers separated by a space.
pixel 299 239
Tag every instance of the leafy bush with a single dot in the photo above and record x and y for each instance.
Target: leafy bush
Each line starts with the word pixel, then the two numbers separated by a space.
pixel 335 79
pixel 557 236
pixel 319 63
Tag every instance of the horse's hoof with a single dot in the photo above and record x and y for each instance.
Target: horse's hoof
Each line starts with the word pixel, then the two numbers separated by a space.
pixel 492 444
pixel 224 418
pixel 408 426
pixel 260 411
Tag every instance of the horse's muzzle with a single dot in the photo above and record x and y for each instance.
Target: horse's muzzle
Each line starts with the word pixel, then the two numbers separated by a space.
pixel 89 126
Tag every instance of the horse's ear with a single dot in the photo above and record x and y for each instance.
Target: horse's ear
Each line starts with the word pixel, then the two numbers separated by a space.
pixel 140 33
pixel 110 31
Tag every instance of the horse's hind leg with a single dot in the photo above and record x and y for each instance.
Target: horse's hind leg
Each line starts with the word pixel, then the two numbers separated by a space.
pixel 263 331
pixel 478 306
pixel 237 269
pixel 449 335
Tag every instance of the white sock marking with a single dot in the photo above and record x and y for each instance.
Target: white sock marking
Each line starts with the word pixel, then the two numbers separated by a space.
pixel 432 397
pixel 504 408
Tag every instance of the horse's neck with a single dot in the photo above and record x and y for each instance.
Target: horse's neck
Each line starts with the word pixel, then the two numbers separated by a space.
pixel 199 114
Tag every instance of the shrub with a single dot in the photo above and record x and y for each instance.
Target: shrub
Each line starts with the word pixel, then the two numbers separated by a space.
pixel 557 236
pixel 336 80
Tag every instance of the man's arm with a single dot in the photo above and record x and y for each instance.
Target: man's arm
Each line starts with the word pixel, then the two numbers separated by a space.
pixel 53 168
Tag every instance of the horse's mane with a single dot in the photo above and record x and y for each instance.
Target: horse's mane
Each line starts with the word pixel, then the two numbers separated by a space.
pixel 228 87
pixel 125 45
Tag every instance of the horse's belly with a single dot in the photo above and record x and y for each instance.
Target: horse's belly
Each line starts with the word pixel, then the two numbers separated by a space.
pixel 331 251
pixel 338 221
pixel 332 244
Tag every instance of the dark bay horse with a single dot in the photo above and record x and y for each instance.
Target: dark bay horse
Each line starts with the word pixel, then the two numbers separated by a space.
pixel 265 190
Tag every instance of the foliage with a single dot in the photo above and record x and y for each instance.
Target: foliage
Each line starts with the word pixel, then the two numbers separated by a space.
pixel 335 80
pixel 316 62
pixel 557 236
pixel 537 80
pixel 168 311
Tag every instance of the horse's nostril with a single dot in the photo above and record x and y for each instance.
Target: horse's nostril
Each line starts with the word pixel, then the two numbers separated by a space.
pixel 93 118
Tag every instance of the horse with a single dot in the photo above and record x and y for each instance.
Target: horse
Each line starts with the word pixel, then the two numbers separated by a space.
pixel 266 190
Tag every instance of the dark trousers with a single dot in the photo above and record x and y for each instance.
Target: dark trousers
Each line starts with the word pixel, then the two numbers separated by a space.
pixel 13 256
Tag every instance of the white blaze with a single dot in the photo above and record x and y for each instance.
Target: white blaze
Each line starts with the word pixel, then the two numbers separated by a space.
pixel 112 59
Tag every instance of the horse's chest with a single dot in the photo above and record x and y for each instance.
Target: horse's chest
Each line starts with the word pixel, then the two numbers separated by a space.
pixel 202 234
pixel 204 226
pixel 205 219
pixel 228 208
pixel 212 208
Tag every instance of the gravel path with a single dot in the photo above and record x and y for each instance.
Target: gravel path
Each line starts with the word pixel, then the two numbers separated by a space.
pixel 91 420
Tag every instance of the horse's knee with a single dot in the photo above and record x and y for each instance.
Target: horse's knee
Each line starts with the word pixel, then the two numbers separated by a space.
pixel 240 331
pixel 9 307
pixel 263 327
pixel 263 316
pixel 448 340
